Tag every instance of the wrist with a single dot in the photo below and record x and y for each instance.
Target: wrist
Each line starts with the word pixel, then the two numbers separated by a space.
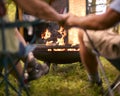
pixel 62 19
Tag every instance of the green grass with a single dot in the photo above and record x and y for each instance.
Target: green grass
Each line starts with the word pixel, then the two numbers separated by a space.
pixel 69 80
pixel 65 80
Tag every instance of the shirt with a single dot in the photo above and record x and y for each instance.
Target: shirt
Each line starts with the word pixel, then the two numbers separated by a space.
pixel 115 5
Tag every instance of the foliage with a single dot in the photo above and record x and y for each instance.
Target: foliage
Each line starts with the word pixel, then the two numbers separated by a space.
pixel 11 10
pixel 9 1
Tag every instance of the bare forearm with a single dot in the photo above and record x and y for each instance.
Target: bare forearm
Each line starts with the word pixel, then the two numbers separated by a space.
pixel 92 22
pixel 20 38
pixel 95 22
pixel 40 9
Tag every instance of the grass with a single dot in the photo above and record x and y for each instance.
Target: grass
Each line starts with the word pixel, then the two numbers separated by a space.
pixel 65 80
pixel 69 80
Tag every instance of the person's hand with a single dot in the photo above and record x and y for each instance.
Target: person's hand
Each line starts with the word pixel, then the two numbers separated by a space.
pixel 70 21
pixel 63 20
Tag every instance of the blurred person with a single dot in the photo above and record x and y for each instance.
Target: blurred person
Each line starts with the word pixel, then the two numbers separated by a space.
pixel 106 42
pixel 41 9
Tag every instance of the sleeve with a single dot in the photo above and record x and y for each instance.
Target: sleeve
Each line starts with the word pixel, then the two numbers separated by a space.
pixel 115 5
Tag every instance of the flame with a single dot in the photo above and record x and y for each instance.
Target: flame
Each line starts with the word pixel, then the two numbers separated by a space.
pixel 60 41
pixel 46 34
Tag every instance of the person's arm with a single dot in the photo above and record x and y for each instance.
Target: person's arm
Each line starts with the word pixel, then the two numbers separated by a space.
pixel 20 37
pixel 95 22
pixel 40 9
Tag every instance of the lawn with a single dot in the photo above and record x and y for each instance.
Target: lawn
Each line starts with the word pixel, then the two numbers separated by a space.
pixel 65 80
pixel 69 80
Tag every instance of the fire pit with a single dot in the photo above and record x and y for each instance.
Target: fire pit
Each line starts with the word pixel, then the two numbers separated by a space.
pixel 57 54
pixel 52 40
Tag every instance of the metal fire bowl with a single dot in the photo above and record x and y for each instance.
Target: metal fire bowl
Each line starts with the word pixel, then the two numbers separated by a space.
pixel 59 57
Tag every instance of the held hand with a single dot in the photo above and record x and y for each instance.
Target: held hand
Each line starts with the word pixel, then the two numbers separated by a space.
pixel 64 18
pixel 70 21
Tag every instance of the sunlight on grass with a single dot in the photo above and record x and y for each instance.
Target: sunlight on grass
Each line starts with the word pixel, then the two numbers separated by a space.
pixel 68 80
